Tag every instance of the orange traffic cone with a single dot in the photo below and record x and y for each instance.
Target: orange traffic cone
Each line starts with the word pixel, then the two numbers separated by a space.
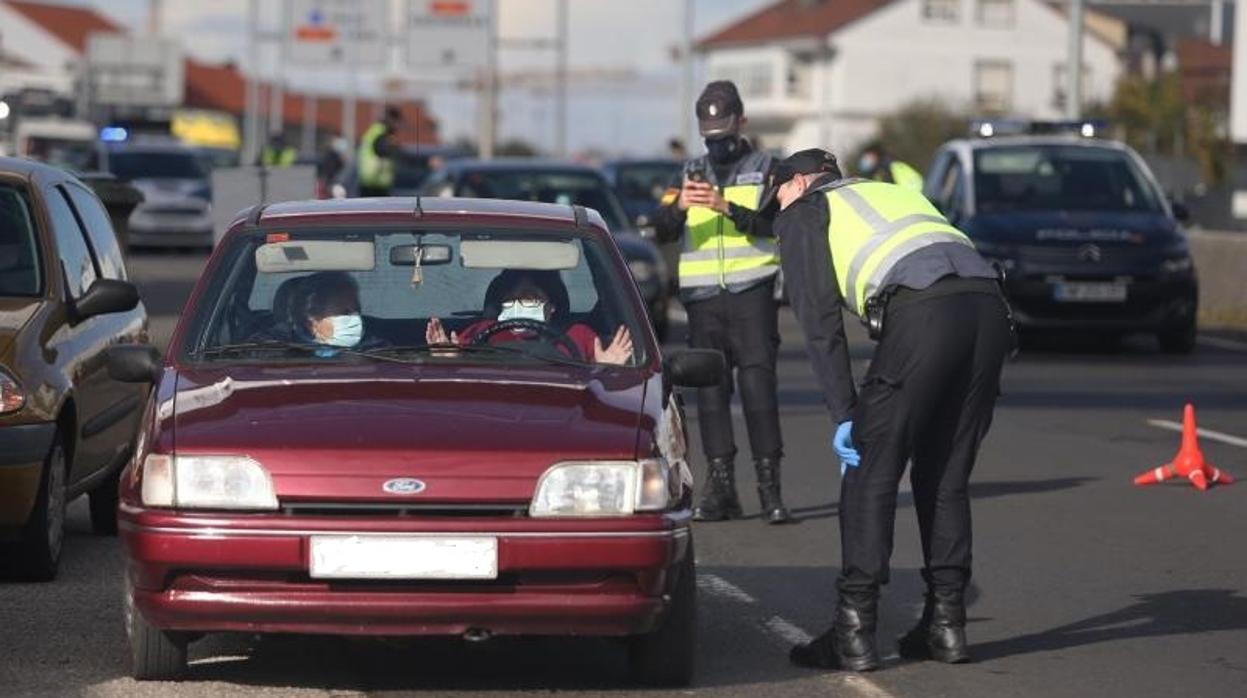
pixel 1189 463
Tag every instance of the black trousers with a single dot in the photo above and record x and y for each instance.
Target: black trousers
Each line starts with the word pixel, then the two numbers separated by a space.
pixel 928 397
pixel 745 327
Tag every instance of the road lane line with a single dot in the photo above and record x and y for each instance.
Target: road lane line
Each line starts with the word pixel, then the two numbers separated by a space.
pixel 860 685
pixel 788 632
pixel 1205 433
pixel 1222 343
pixel 714 584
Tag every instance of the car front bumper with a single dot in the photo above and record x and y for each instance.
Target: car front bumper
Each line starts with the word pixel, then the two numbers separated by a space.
pixel 251 574
pixel 1151 304
pixel 180 230
pixel 23 448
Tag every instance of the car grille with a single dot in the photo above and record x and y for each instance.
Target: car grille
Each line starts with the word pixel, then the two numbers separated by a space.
pixel 422 509
pixel 176 210
pixel 1085 256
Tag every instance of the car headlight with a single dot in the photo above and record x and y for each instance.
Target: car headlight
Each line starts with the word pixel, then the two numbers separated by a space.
pixel 207 482
pixel 1177 264
pixel 642 270
pixel 12 398
pixel 603 488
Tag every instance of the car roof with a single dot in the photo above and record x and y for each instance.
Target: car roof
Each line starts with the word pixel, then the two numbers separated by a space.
pixel 973 144
pixel 643 162
pixel 28 168
pixel 520 165
pixel 407 210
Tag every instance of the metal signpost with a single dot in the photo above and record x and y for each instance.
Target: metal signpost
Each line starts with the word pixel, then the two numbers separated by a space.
pixel 127 71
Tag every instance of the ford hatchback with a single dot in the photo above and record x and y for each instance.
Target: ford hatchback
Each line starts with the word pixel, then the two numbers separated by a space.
pixel 392 417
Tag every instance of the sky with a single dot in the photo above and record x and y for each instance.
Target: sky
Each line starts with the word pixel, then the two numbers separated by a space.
pixel 638 35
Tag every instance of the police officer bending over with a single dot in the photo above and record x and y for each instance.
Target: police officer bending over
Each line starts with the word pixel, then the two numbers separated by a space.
pixel 944 331
pixel 727 282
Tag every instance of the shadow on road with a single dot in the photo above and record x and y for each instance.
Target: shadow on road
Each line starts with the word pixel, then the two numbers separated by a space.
pixel 1185 612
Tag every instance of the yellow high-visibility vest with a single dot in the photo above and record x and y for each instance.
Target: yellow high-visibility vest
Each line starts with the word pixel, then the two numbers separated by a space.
pixel 905 175
pixel 872 227
pixel 716 254
pixel 278 158
pixel 374 171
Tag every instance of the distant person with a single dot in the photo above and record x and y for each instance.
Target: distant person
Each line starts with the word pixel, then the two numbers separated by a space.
pixel 277 153
pixel 878 164
pixel 330 165
pixel 377 149
pixel 676 150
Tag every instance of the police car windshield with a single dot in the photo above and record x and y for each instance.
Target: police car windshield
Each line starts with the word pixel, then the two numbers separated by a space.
pixel 1060 177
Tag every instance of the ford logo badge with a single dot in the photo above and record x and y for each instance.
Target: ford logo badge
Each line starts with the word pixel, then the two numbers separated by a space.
pixel 403 485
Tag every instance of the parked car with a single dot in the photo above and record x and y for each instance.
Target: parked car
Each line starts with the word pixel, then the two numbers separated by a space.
pixel 1081 228
pixel 640 185
pixel 567 184
pixel 389 486
pixel 177 193
pixel 66 428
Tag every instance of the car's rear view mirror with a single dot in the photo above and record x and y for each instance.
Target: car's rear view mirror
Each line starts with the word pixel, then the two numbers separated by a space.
pixel 541 255
pixel 428 255
pixel 315 255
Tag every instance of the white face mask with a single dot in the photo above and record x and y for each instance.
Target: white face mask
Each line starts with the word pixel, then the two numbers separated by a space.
pixel 348 330
pixel 514 310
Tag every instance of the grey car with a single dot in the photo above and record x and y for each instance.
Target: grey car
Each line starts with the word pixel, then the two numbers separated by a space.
pixel 177 194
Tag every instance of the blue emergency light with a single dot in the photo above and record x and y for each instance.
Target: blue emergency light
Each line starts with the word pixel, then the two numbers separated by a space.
pixel 114 134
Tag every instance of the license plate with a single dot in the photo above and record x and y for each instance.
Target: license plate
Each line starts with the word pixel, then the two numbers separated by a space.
pixel 1089 292
pixel 403 557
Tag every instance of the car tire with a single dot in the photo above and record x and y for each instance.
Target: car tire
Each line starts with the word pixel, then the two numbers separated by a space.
pixel 155 655
pixel 1179 339
pixel 103 501
pixel 665 657
pixel 43 537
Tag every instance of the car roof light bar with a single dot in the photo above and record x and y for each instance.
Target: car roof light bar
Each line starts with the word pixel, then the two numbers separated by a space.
pixel 991 128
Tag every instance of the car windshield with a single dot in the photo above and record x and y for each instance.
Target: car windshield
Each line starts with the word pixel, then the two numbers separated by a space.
pixel 19 258
pixel 552 187
pixel 1080 178
pixel 644 182
pixel 494 296
pixel 155 164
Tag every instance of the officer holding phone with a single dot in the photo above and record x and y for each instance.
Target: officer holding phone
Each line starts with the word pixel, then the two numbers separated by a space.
pixel 727 282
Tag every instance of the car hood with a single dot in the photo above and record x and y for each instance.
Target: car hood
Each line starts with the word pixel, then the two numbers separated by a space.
pixel 14 314
pixel 158 190
pixel 469 433
pixel 1073 227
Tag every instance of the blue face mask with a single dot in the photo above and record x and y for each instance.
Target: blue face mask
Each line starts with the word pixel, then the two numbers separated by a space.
pixel 515 310
pixel 348 330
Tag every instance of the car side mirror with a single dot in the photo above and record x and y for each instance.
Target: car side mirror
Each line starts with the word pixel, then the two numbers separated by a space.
pixel 134 363
pixel 695 368
pixel 103 297
pixel 1180 212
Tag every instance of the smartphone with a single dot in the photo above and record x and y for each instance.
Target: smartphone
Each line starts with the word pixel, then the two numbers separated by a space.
pixel 697 173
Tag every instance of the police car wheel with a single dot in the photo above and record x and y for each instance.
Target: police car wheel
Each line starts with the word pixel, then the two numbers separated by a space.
pixel 1179 339
pixel 665 656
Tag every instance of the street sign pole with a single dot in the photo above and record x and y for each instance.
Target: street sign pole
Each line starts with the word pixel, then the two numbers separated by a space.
pixel 277 107
pixel 252 108
pixel 560 140
pixel 1073 63
pixel 489 100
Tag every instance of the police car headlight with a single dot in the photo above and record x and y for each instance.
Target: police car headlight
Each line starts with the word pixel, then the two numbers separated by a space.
pixel 207 482
pixel 1177 265
pixel 603 488
pixel 642 270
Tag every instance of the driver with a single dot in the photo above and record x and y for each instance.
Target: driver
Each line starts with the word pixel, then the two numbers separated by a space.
pixel 528 296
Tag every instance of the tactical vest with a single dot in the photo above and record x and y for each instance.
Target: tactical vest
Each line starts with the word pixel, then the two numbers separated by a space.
pixel 375 171
pixel 716 254
pixel 872 227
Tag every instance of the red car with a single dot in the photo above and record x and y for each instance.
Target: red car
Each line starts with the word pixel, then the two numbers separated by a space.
pixel 399 417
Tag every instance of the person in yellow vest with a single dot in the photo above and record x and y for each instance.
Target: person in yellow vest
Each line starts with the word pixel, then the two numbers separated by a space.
pixel 375 159
pixel 727 278
pixel 944 330
pixel 877 163
pixel 277 153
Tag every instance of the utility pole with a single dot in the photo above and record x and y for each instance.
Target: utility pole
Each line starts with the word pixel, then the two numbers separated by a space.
pixel 251 112
pixel 155 10
pixel 560 140
pixel 277 92
pixel 686 82
pixel 1073 63
pixel 489 92
pixel 1216 22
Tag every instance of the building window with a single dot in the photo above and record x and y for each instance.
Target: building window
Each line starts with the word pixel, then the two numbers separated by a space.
pixel 752 79
pixel 800 75
pixel 993 87
pixel 1058 84
pixel 944 11
pixel 995 13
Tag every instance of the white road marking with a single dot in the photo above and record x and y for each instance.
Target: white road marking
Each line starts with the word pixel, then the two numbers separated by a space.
pixel 786 631
pixel 719 586
pixel 1222 343
pixel 859 685
pixel 1205 433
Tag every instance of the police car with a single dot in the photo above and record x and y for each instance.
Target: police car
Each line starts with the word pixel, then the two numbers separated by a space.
pixel 1079 224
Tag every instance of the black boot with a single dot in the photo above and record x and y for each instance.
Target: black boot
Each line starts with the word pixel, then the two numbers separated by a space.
pixel 719 501
pixel 850 643
pixel 941 632
pixel 773 509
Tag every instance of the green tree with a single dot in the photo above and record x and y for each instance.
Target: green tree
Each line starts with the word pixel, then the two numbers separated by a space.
pixel 914 132
pixel 1156 116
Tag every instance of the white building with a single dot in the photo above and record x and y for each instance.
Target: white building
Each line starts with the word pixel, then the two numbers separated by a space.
pixel 823 72
pixel 42 44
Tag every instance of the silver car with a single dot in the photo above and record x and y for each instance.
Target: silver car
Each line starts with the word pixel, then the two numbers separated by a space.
pixel 177 192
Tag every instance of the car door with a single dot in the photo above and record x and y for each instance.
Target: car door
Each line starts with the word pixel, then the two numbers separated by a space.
pixel 82 344
pixel 122 401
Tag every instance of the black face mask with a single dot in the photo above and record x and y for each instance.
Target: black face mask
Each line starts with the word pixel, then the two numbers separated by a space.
pixel 723 150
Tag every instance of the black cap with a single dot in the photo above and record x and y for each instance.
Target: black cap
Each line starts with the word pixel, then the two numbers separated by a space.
pixel 809 161
pixel 719 109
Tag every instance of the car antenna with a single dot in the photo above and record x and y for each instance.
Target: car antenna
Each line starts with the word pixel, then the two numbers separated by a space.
pixel 419 209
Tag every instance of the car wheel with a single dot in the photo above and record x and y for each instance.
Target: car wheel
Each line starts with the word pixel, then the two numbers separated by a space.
pixel 665 656
pixel 1179 339
pixel 43 537
pixel 155 655
pixel 104 506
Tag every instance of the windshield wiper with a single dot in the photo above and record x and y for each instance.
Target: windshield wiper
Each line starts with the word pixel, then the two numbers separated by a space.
pixel 448 349
pixel 297 346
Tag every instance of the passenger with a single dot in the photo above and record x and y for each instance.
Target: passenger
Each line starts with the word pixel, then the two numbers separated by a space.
pixel 326 307
pixel 517 295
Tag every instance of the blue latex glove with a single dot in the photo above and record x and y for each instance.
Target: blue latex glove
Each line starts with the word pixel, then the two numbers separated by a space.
pixel 842 443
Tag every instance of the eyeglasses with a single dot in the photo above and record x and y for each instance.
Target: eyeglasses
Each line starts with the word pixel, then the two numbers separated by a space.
pixel 524 303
